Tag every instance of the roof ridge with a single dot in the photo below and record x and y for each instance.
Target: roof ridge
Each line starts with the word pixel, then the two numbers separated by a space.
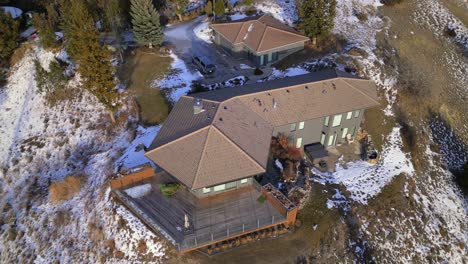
pixel 263 36
pixel 177 139
pixel 360 91
pixel 238 147
pixel 201 156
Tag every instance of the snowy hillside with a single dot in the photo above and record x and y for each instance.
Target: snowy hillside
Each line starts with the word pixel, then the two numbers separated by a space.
pixel 40 145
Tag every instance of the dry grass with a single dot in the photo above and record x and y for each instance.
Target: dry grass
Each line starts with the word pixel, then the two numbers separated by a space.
pixel 19 53
pixel 66 189
pixel 141 69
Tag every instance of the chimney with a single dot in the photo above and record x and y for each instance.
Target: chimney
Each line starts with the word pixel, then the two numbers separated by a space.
pixel 197 106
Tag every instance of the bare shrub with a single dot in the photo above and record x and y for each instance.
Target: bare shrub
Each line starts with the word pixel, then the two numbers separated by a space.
pixel 64 190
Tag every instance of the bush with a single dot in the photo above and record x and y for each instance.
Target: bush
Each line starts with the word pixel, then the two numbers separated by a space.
pixel 391 2
pixel 169 189
pixel 362 16
pixel 64 190
pixel 261 199
pixel 52 80
pixel 257 71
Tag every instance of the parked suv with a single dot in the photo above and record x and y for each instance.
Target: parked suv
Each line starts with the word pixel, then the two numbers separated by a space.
pixel 203 64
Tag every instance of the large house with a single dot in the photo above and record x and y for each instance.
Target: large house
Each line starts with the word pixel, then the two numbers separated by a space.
pixel 214 143
pixel 263 40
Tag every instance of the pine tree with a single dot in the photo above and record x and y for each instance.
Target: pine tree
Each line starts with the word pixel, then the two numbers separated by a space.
pixel 209 7
pixel 317 17
pixel 219 8
pixel 248 2
pixel 46 24
pixel 145 20
pixel 83 46
pixel 8 36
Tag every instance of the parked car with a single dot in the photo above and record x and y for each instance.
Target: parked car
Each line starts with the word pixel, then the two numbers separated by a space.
pixel 203 64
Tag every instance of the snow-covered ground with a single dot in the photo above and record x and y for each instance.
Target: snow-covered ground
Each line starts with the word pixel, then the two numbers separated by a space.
pixel 134 154
pixel 203 31
pixel 139 190
pixel 284 11
pixel 41 144
pixel 364 180
pixel 177 83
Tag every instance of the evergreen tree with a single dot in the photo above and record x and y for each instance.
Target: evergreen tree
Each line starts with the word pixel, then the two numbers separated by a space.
pixel 145 20
pixel 209 7
pixel 219 8
pixel 52 80
pixel 46 24
pixel 248 2
pixel 83 46
pixel 179 7
pixel 8 36
pixel 316 17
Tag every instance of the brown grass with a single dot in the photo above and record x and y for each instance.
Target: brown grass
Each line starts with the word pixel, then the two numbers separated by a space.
pixel 66 189
pixel 141 69
pixel 19 53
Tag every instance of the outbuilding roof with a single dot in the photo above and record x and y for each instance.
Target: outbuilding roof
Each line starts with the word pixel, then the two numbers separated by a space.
pixel 260 34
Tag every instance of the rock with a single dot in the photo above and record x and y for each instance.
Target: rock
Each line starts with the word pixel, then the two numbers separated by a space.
pixel 357 52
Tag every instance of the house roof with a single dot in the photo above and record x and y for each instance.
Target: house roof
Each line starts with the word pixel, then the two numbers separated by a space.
pixel 260 33
pixel 230 138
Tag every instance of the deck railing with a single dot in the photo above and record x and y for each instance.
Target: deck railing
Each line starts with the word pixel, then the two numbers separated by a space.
pixel 195 240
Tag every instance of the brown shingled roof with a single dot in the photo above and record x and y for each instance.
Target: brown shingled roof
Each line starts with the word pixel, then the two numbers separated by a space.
pixel 259 34
pixel 231 138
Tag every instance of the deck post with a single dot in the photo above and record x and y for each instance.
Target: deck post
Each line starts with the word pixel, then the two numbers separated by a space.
pixel 211 236
pixel 243 228
pixel 272 219
pixel 228 231
pixel 196 244
pixel 258 223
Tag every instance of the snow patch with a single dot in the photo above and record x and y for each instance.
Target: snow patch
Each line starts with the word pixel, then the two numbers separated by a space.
pixel 138 191
pixel 203 32
pixel 177 83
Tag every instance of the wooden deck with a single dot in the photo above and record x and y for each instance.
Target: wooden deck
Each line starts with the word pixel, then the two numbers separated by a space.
pixel 211 219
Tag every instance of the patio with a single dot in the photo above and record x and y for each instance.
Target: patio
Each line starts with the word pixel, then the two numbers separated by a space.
pixel 211 219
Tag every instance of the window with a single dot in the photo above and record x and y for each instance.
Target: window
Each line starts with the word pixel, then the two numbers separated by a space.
pixel 354 131
pixel 206 190
pixel 345 132
pixel 330 140
pixel 231 185
pixel 301 125
pixel 270 57
pixel 244 181
pixel 356 113
pixel 299 142
pixel 322 138
pixel 292 127
pixel 337 120
pixel 349 115
pixel 218 188
pixel 327 120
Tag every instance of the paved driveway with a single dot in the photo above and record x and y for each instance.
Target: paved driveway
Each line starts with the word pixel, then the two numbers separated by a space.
pixel 187 45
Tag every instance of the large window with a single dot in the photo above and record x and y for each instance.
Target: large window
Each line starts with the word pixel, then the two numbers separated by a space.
pixel 337 120
pixel 330 140
pixel 345 132
pixel 327 120
pixel 244 181
pixel 357 113
pixel 322 138
pixel 301 125
pixel 292 127
pixel 349 115
pixel 220 187
pixel 299 142
pixel 206 190
pixel 231 185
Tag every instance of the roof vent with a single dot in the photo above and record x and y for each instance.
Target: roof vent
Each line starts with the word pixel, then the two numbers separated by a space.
pixel 225 108
pixel 287 91
pixel 307 87
pixel 275 104
pixel 220 119
pixel 198 106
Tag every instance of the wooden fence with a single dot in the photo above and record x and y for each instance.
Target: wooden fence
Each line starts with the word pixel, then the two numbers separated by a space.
pixel 134 177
